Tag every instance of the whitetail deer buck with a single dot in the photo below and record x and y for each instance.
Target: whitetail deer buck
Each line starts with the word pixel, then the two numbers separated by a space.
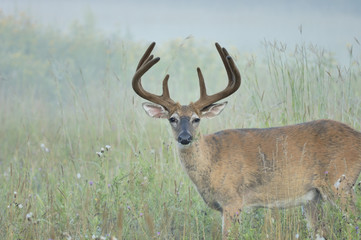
pixel 276 167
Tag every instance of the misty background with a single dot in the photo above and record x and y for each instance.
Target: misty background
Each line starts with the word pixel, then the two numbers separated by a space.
pixel 54 51
pixel 330 24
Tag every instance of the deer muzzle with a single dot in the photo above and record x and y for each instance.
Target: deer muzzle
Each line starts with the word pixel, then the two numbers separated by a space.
pixel 184 137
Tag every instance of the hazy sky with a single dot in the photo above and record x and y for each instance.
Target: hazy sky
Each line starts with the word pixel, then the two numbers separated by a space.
pixel 330 24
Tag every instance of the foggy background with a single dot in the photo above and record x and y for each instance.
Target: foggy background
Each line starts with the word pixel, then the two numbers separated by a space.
pixel 66 70
pixel 330 24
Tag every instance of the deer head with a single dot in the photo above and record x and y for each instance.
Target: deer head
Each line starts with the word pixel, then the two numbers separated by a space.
pixel 185 119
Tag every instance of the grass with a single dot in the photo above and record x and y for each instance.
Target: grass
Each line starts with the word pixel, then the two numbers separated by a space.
pixel 64 96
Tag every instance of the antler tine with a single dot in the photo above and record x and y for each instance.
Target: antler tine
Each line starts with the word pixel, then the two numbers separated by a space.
pixel 202 85
pixel 224 56
pixel 234 81
pixel 165 87
pixel 146 55
pixel 146 62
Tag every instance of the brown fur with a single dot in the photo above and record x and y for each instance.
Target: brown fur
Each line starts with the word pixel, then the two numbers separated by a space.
pixel 273 167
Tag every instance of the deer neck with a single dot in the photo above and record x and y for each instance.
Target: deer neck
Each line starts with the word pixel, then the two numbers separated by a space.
pixel 195 160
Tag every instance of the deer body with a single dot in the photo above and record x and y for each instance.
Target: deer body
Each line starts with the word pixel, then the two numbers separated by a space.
pixel 276 167
pixel 273 167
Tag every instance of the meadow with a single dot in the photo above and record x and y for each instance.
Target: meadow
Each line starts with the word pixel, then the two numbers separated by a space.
pixel 66 95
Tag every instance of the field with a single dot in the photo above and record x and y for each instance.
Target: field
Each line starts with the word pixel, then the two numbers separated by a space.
pixel 64 96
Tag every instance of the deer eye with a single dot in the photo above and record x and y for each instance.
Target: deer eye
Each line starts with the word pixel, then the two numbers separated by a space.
pixel 173 120
pixel 196 120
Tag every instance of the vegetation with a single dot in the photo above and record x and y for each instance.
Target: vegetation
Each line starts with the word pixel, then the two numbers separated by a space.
pixel 64 96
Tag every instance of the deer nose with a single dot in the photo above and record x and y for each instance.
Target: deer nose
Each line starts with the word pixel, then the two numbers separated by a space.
pixel 184 138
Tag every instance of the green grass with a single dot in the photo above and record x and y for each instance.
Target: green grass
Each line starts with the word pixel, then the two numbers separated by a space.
pixel 72 93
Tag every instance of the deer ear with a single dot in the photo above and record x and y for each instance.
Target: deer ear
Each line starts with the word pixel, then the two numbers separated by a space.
pixel 213 110
pixel 155 111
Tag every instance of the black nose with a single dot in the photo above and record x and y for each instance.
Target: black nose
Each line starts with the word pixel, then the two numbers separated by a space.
pixel 184 138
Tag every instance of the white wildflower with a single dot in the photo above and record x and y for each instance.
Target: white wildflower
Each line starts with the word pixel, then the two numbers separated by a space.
pixel 44 148
pixel 78 175
pixel 20 206
pixel 29 216
pixel 107 147
pixel 102 150
pixel 99 154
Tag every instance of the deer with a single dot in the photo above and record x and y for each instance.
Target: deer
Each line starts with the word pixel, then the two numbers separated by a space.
pixel 233 170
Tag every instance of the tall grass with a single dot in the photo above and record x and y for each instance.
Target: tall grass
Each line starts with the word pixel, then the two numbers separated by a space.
pixel 64 96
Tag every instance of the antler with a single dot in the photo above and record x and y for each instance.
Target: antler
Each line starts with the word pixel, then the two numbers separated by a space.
pixel 234 81
pixel 145 63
